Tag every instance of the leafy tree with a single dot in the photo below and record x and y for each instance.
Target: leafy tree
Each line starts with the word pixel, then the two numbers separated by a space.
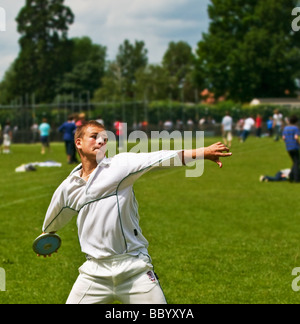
pixel 153 83
pixel 130 58
pixel 45 49
pixel 249 50
pixel 88 62
pixel 119 81
pixel 112 84
pixel 8 86
pixel 179 62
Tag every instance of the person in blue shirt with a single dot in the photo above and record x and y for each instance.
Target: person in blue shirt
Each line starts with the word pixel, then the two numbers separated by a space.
pixel 44 130
pixel 270 126
pixel 68 129
pixel 291 137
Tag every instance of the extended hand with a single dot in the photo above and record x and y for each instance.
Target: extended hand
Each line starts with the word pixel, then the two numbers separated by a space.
pixel 215 151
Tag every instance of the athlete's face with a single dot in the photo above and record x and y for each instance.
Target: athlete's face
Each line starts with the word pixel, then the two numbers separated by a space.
pixel 91 144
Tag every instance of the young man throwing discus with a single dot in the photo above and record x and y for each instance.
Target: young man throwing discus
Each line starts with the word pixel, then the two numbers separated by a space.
pixel 100 192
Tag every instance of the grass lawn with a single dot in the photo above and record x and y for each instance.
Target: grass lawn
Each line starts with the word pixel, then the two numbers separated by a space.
pixel 221 238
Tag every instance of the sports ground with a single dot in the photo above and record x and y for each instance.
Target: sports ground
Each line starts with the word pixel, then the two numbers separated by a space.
pixel 221 238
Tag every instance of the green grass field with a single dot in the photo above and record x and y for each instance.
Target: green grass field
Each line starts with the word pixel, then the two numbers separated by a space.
pixel 221 238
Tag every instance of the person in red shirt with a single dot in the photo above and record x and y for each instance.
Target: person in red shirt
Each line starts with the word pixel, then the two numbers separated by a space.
pixel 118 129
pixel 80 120
pixel 258 125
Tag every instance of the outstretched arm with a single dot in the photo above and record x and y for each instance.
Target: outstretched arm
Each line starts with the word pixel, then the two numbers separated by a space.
pixel 213 152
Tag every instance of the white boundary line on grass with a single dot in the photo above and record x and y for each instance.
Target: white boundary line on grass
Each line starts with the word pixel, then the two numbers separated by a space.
pixel 20 201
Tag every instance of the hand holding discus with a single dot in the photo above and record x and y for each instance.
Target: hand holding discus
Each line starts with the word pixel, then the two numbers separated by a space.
pixel 46 244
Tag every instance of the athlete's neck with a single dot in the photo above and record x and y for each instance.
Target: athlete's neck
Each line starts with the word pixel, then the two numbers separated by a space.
pixel 88 167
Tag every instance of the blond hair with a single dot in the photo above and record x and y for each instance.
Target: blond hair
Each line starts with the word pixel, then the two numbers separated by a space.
pixel 80 131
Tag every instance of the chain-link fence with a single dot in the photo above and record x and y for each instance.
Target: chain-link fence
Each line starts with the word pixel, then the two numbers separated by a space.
pixel 24 118
pixel 25 115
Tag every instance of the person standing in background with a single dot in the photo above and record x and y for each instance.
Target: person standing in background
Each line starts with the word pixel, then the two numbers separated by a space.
pixel 248 124
pixel 258 125
pixel 44 130
pixel 100 120
pixel 80 120
pixel 35 132
pixel 270 126
pixel 7 137
pixel 291 137
pixel 277 124
pixel 227 129
pixel 119 132
pixel 68 129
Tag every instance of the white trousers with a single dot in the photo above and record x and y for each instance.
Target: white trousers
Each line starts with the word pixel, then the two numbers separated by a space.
pixel 127 279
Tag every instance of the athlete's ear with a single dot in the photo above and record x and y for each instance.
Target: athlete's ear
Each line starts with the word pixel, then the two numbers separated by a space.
pixel 78 142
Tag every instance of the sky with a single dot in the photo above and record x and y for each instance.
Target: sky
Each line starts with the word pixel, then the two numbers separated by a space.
pixel 110 22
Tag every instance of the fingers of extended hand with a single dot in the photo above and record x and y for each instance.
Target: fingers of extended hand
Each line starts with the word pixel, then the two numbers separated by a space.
pixel 223 154
pixel 222 147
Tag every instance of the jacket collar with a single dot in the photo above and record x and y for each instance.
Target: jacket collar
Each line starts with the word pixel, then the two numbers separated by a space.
pixel 105 162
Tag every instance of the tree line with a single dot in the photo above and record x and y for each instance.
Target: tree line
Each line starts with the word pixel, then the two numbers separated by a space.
pixel 249 51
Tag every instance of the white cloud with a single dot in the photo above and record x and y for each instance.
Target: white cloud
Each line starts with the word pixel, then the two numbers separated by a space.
pixel 157 22
pixel 110 22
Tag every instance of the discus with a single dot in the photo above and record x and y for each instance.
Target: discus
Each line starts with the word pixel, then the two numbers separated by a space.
pixel 46 244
